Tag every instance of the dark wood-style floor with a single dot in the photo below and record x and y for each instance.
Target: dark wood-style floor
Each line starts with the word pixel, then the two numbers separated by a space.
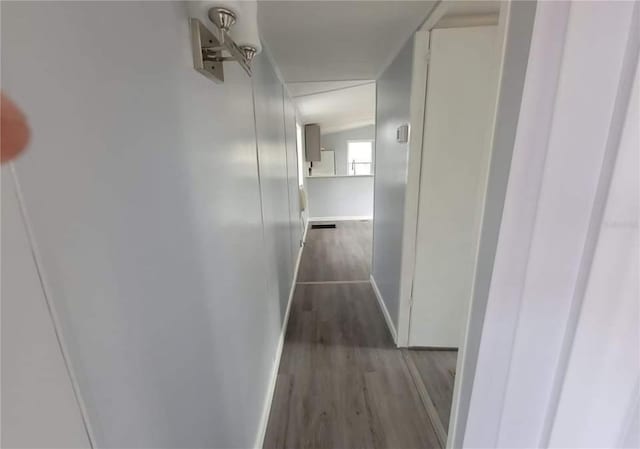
pixel 342 383
pixel 340 254
pixel 437 369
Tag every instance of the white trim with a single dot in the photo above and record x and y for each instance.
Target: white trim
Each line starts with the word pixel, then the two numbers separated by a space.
pixel 437 13
pixel 304 240
pixel 366 281
pixel 373 209
pixel 516 30
pixel 392 55
pixel 412 191
pixel 561 163
pixel 343 218
pixel 338 176
pixel 266 410
pixel 471 20
pixel 383 307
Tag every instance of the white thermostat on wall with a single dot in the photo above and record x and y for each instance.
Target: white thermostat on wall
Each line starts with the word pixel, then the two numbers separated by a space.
pixel 402 133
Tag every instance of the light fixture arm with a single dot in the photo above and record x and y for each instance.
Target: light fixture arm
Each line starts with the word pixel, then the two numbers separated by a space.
pixel 211 51
pixel 224 19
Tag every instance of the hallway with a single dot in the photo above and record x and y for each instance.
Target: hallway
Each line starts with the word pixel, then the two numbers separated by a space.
pixel 162 164
pixel 342 382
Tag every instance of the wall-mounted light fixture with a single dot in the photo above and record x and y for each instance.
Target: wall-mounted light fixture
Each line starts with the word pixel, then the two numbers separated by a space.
pixel 212 49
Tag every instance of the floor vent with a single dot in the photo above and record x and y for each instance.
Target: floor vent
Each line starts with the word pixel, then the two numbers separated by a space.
pixel 323 226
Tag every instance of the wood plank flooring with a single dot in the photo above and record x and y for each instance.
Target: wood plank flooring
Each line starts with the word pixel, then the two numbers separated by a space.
pixel 340 254
pixel 342 383
pixel 437 370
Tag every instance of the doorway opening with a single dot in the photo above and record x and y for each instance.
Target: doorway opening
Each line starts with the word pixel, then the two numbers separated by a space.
pixel 338 124
pixel 454 121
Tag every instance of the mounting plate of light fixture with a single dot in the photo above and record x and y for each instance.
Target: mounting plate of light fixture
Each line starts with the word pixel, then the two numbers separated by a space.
pixel 211 51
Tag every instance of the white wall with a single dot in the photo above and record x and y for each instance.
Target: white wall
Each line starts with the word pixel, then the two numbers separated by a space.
pixel 39 408
pixel 295 216
pixel 392 110
pixel 274 188
pixel 558 359
pixel 340 197
pixel 338 142
pixel 141 187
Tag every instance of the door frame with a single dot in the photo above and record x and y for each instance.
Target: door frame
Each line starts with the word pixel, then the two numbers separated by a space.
pixel 515 27
pixel 543 213
pixel 563 160
pixel 426 326
pixel 419 81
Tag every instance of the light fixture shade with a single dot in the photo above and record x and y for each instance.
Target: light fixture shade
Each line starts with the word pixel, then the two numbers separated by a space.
pixel 200 10
pixel 245 31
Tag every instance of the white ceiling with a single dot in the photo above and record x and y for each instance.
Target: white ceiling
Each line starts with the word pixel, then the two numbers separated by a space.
pixel 335 106
pixel 315 87
pixel 337 40
pixel 328 52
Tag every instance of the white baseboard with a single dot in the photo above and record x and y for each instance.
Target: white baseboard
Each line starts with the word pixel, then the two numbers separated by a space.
pixel 342 218
pixel 304 239
pixel 264 420
pixel 385 312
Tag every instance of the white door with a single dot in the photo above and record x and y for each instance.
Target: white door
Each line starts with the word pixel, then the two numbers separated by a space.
pixel 461 97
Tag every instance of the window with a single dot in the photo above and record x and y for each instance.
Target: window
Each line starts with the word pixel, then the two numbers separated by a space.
pixel 360 157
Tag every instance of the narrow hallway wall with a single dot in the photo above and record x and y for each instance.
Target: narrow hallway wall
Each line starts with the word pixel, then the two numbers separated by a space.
pixel 141 188
pixel 393 91
pixel 274 187
pixel 295 216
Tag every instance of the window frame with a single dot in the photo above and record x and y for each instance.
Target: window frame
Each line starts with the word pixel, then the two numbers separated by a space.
pixel 372 163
